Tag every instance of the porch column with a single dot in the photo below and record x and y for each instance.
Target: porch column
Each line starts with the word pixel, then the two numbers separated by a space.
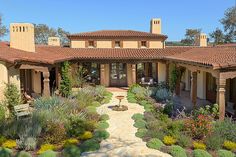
pixel 133 68
pixel 167 73
pixel 58 77
pixel 194 88
pixel 157 72
pixel 217 91
pixel 222 83
pixel 46 86
pixel 102 74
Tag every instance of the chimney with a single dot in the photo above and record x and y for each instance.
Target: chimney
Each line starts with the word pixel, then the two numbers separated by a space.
pixel 200 40
pixel 54 41
pixel 22 36
pixel 155 26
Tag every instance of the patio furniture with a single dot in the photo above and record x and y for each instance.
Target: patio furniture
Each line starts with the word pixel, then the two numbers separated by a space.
pixel 148 81
pixel 22 110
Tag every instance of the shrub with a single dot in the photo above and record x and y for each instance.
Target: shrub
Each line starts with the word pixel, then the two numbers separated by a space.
pixel 102 125
pixel 155 134
pixel 214 141
pixel 168 108
pixel 5 152
pixel 45 147
pixel 162 94
pixel 140 124
pixel 230 145
pixel 199 127
pixel 169 140
pixel 54 132
pixel 48 153
pixel 96 104
pixel 70 151
pixel 137 116
pixel 104 117
pixel 23 154
pixel 208 110
pixel 12 96
pixel 2 112
pixel 184 140
pixel 76 126
pixel 177 151
pixel 2 140
pixel 225 153
pixel 86 135
pixel 90 145
pixel 226 128
pixel 199 145
pixel 155 143
pixel 91 109
pixel 26 143
pixel 70 141
pixel 141 133
pixel 101 135
pixel 66 83
pixel 200 153
pixel 9 144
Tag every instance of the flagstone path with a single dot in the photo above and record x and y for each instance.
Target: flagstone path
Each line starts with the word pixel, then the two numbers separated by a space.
pixel 122 141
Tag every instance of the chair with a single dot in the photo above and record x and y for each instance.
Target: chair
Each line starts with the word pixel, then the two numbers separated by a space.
pixel 22 110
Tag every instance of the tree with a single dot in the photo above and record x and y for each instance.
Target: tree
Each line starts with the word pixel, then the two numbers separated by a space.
pixel 42 32
pixel 190 35
pixel 66 84
pixel 3 29
pixel 218 36
pixel 229 23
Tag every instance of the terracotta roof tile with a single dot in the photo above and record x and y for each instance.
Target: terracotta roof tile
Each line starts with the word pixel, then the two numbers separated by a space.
pixel 117 33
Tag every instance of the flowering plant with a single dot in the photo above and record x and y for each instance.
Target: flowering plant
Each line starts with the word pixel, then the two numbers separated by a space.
pixel 199 127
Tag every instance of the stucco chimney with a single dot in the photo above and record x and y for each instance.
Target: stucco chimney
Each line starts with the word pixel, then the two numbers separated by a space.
pixel 54 41
pixel 201 40
pixel 22 36
pixel 155 26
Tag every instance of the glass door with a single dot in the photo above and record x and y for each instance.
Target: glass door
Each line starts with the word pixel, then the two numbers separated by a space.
pixel 118 75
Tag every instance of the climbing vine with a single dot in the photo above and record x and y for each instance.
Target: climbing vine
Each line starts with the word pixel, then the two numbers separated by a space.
pixel 176 75
pixel 66 83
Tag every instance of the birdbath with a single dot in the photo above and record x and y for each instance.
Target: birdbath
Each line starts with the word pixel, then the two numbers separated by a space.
pixel 119 97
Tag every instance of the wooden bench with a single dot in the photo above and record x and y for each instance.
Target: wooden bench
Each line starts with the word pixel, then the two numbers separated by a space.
pixel 22 110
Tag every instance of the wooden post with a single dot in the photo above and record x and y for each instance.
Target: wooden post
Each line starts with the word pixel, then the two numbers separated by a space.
pixel 46 80
pixel 217 91
pixel 157 72
pixel 133 68
pixel 102 74
pixel 222 83
pixel 167 73
pixel 194 88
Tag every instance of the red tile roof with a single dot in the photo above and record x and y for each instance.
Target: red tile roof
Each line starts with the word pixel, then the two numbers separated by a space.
pixel 218 57
pixel 117 33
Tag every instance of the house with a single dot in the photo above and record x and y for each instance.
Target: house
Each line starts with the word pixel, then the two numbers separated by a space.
pixel 120 58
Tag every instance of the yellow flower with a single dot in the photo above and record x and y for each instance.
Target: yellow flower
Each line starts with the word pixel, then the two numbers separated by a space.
pixel 71 141
pixel 199 145
pixel 230 145
pixel 86 135
pixel 169 140
pixel 45 147
pixel 9 144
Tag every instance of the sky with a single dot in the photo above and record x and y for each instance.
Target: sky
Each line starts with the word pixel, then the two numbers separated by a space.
pixel 90 15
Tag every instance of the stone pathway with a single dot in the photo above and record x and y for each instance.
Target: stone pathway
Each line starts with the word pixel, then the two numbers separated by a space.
pixel 122 141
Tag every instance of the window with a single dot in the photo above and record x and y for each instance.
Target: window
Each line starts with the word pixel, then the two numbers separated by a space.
pixel 91 44
pixel 143 44
pixel 117 44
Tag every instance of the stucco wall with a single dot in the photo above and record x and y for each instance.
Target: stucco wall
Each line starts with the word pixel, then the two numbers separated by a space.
pixel 130 44
pixel 104 44
pixel 155 44
pixel 161 72
pixel 77 44
pixel 14 76
pixel 36 81
pixel 3 78
pixel 201 85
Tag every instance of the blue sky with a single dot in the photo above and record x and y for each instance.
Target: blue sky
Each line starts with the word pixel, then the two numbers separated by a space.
pixel 78 16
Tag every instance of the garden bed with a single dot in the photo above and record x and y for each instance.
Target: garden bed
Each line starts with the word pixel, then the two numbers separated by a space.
pixel 199 134
pixel 57 126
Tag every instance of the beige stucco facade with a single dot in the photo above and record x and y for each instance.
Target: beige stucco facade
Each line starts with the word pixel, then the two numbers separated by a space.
pixel 22 36
pixel 130 44
pixel 104 44
pixel 36 81
pixel 77 44
pixel 161 72
pixel 156 44
pixel 201 85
